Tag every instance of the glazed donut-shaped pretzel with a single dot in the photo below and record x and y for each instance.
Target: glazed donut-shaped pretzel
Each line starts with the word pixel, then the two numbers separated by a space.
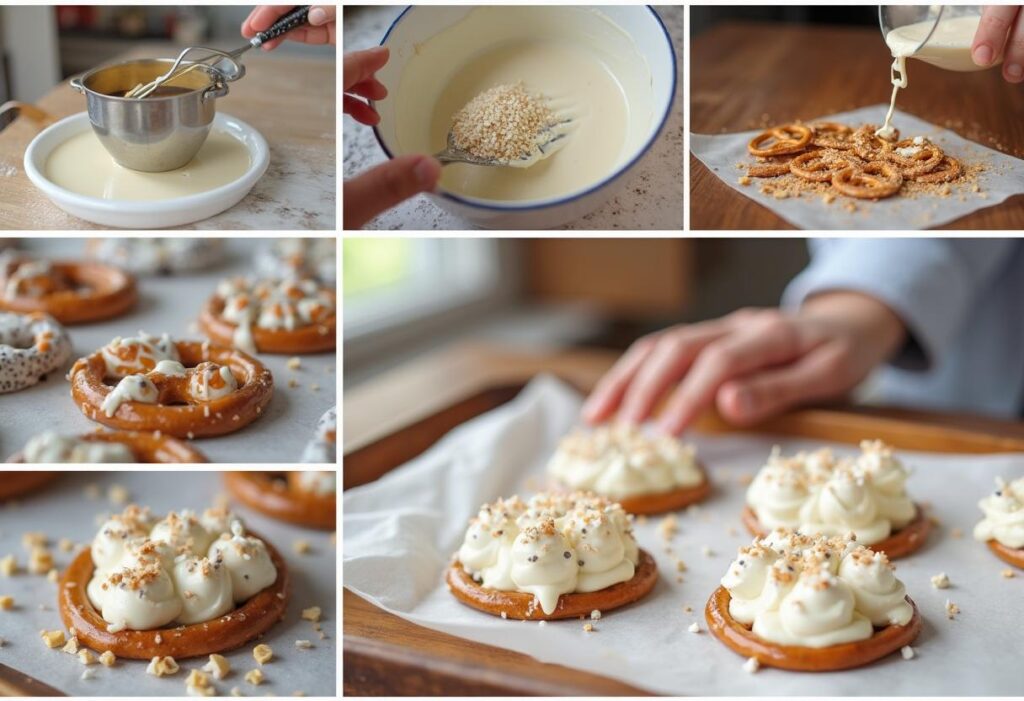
pixel 31 345
pixel 70 292
pixel 232 630
pixel 178 411
pixel 270 494
pixel 146 447
pixel 781 140
pixel 317 336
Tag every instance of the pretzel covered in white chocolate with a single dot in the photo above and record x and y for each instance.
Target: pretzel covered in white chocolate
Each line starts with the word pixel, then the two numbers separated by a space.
pixel 70 292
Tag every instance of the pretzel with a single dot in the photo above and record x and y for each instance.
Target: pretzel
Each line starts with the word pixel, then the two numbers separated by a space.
pixel 70 292
pixel 832 135
pixel 924 160
pixel 773 167
pixel 871 181
pixel 740 639
pixel 820 166
pixel 271 494
pixel 901 543
pixel 949 169
pixel 869 145
pixel 1013 556
pixel 31 346
pixel 522 606
pixel 16 484
pixel 146 447
pixel 256 317
pixel 788 138
pixel 190 399
pixel 250 620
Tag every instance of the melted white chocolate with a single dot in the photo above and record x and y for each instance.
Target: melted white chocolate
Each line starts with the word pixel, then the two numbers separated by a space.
pixel 83 166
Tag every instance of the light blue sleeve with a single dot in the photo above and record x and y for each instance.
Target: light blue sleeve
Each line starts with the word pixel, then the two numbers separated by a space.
pixel 932 284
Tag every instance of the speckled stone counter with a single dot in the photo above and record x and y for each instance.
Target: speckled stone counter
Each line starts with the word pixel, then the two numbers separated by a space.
pixel 651 197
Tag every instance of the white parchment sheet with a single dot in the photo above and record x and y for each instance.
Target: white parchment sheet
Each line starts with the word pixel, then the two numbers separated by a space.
pixel 1003 178
pixel 63 510
pixel 401 530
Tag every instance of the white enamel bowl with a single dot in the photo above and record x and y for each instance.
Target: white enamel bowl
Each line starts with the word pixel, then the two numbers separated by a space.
pixel 418 24
pixel 141 214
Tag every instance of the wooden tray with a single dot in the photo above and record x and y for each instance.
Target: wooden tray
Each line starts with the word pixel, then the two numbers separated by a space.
pixel 386 655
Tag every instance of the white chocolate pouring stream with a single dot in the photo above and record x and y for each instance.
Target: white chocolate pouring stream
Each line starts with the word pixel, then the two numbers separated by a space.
pixel 949 47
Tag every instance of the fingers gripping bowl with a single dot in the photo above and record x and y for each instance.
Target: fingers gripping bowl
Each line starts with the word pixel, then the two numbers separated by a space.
pixel 613 70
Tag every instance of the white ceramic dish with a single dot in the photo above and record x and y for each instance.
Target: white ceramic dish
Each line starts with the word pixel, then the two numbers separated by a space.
pixel 145 215
pixel 419 24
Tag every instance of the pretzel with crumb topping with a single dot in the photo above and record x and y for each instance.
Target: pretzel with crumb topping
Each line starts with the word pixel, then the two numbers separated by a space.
pixel 871 181
pixel 70 292
pixel 178 409
pixel 781 140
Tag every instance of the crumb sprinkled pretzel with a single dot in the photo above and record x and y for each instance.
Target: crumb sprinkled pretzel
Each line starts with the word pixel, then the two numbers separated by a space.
pixel 820 166
pixel 922 157
pixel 781 140
pixel 948 170
pixel 184 389
pixel 871 181
pixel 832 135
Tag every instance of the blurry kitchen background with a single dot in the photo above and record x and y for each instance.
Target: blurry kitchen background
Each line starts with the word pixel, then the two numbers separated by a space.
pixel 407 297
pixel 40 45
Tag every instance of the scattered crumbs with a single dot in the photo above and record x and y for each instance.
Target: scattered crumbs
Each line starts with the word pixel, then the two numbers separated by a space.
pixel 117 494
pixel 542 623
pixel 294 363
pixel 595 615
pixel 940 581
pixel 907 652
pixel 1008 573
pixel 588 627
pixel 302 547
pixel 680 566
pixel 668 527
pixel 706 551
pixel 108 658
pixel 303 645
pixel 687 609
pixel 6 603
pixel 694 627
pixel 88 673
pixel 313 613
pixel 743 180
pixel 751 665
pixel 951 610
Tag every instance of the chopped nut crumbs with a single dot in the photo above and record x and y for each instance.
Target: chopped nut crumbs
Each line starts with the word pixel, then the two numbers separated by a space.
pixel 108 658
pixel 951 610
pixel 88 673
pixel 6 603
pixel 907 652
pixel 1008 573
pixel 501 123
pixel 86 657
pixel 198 684
pixel 743 180
pixel 8 565
pixel 71 647
pixel 940 581
pixel 118 495
pixel 218 666
pixel 53 638
pixel 34 539
pixel 254 677
pixel 53 575
pixel 235 691
pixel 162 667
pixel 595 615
pixel 303 645
pixel 40 561
pixel 680 566
pixel 302 547
pixel 262 653
pixel 588 627
pixel 313 613
pixel 294 363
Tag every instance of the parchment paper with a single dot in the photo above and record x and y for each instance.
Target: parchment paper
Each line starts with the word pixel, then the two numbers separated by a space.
pixel 171 304
pixel 401 530
pixel 63 511
pixel 1003 178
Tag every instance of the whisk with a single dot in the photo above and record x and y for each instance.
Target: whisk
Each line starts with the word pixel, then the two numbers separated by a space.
pixel 294 19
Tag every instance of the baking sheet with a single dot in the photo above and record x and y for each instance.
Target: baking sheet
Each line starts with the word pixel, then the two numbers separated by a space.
pixel 171 304
pixel 400 531
pixel 64 511
pixel 1003 178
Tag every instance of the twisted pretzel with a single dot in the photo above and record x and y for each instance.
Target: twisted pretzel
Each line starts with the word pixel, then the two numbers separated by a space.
pixel 772 167
pixel 948 169
pixel 72 293
pixel 785 139
pixel 869 145
pixel 178 406
pixel 871 181
pixel 927 157
pixel 832 135
pixel 820 166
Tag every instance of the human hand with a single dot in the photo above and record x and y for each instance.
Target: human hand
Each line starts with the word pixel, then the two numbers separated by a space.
pixel 1001 32
pixel 751 364
pixel 383 187
pixel 321 29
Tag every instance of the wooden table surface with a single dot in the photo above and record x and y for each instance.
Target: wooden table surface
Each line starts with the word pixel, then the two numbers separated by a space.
pixel 386 655
pixel 291 101
pixel 745 76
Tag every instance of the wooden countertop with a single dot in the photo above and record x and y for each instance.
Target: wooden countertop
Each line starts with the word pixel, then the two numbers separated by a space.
pixel 743 75
pixel 386 655
pixel 291 101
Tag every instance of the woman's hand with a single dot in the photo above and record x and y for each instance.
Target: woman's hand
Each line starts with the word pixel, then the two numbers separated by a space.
pixel 1001 32
pixel 398 179
pixel 322 28
pixel 751 364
